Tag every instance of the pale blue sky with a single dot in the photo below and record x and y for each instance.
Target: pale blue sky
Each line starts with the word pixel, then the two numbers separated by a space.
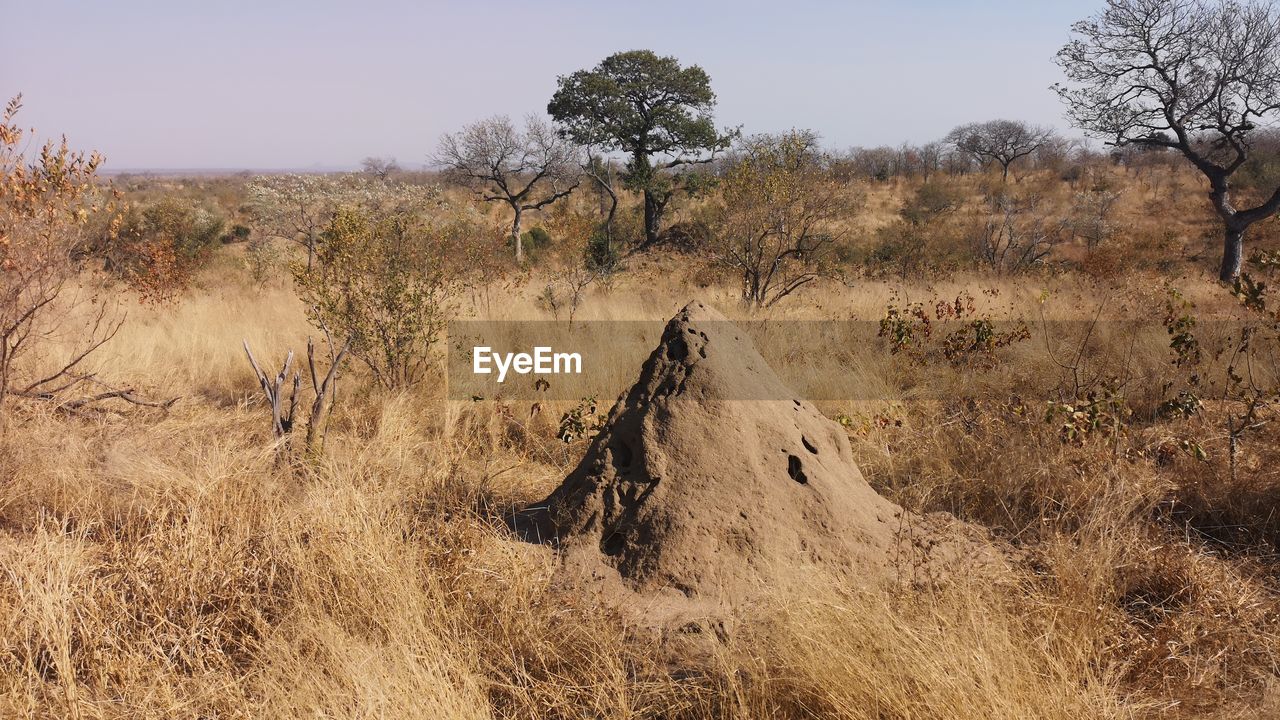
pixel 236 84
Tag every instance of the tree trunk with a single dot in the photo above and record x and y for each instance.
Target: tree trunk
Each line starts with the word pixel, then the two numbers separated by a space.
pixel 1233 224
pixel 610 212
pixel 652 217
pixel 4 377
pixel 608 224
pixel 515 238
pixel 1232 254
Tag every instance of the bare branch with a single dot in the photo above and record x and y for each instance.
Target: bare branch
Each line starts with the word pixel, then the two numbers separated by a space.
pixel 527 169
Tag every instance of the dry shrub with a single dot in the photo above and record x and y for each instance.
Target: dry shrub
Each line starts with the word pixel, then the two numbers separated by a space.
pixel 1178 620
pixel 1106 261
pixel 1187 627
pixel 1235 512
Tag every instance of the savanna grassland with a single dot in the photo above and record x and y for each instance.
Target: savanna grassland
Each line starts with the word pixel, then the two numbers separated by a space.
pixel 167 551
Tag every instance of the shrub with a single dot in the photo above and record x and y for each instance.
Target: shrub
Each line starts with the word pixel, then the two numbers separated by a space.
pixel 1092 216
pixel 46 202
pixel 583 257
pixel 689 236
pixel 1017 234
pixel 950 329
pixel 193 231
pixel 536 237
pixel 931 201
pixel 381 279
pixel 157 248
pixel 239 233
pixel 628 225
pixel 600 255
pixel 920 239
pixel 778 217
pixel 535 241
pixel 264 260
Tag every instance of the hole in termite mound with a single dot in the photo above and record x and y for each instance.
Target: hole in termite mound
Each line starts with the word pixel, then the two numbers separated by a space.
pixel 808 445
pixel 795 470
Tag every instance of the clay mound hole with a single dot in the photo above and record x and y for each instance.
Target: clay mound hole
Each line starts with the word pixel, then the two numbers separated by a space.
pixel 677 350
pixel 622 455
pixel 796 470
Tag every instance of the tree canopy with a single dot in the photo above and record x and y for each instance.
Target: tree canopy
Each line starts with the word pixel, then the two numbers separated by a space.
pixel 649 107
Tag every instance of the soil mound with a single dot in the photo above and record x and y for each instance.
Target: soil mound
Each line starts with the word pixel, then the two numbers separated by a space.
pixel 692 491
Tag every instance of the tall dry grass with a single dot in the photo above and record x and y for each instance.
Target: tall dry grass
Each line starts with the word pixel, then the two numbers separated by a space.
pixel 175 564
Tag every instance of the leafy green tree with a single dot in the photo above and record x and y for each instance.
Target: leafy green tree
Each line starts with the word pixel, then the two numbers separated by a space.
pixel 649 107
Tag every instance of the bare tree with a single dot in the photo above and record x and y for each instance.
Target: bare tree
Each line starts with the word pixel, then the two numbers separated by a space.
pixel 1091 214
pixel 381 168
pixel 931 155
pixel 296 207
pixel 527 170
pixel 1000 141
pixel 1196 76
pixel 878 163
pixel 575 280
pixel 1016 234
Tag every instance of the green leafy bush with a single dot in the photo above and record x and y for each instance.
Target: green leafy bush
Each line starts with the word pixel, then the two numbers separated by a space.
pixel 600 255
pixel 157 248
pixel 239 233
pixel 192 230
pixel 536 238
pixel 535 242
pixel 383 281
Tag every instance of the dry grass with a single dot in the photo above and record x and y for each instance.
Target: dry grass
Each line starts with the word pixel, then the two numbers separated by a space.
pixel 157 565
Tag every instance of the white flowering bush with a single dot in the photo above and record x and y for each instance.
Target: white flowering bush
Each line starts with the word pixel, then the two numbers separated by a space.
pixel 299 207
